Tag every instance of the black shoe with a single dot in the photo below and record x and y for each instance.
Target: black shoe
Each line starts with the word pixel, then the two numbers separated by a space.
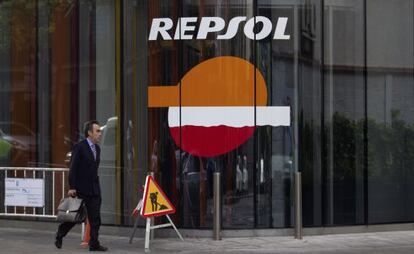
pixel 97 248
pixel 58 242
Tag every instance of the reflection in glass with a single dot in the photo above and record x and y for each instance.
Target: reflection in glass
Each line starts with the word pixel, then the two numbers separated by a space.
pixel 275 145
pixel 309 114
pixel 390 79
pixel 164 68
pixel 345 73
pixel 56 72
pixel 197 169
pixel 344 104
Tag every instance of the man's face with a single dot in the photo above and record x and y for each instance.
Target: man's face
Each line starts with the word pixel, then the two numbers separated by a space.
pixel 95 134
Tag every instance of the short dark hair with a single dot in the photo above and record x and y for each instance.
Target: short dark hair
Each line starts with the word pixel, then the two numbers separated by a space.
pixel 89 126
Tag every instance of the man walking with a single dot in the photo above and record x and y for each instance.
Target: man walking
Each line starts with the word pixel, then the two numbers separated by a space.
pixel 84 183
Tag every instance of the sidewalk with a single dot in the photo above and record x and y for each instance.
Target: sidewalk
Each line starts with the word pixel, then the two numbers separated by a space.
pixel 14 240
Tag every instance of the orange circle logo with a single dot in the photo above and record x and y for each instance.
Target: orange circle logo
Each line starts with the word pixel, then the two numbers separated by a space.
pixel 217 111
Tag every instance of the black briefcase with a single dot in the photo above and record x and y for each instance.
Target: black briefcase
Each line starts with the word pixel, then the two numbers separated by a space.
pixel 71 210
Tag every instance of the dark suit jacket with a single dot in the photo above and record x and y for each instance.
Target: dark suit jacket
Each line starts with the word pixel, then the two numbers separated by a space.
pixel 83 173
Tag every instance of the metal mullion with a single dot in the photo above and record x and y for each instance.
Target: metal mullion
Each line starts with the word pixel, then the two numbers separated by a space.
pixel 34 177
pixel 15 175
pixel 323 138
pixel 44 205
pixel 53 193
pixel 365 168
pixel 255 141
pixel 5 207
pixel 63 184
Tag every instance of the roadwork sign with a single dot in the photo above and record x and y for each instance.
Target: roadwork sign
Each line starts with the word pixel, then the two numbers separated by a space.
pixel 156 203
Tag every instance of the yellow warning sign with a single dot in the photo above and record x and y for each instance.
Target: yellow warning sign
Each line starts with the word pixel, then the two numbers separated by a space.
pixel 156 202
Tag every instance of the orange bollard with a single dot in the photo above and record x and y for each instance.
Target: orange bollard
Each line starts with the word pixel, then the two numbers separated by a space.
pixel 87 234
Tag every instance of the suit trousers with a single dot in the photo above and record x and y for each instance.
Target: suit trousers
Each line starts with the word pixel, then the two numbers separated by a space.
pixel 93 206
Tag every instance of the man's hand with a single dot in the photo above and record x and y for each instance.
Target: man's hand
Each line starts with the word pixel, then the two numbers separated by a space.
pixel 72 193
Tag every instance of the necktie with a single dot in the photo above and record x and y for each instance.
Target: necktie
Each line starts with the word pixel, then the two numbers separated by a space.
pixel 93 150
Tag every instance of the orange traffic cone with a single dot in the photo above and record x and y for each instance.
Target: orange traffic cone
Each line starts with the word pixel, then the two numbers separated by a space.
pixel 87 234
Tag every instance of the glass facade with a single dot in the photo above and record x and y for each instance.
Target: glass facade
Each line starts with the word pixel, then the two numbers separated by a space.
pixel 389 81
pixel 256 90
pixel 57 71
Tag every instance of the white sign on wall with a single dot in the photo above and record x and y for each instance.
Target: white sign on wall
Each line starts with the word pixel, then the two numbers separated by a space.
pixel 24 192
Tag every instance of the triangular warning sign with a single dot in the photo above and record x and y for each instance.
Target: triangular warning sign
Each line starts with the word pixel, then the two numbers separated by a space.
pixel 156 202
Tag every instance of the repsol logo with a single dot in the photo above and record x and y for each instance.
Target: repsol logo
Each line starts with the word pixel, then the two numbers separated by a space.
pixel 189 28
